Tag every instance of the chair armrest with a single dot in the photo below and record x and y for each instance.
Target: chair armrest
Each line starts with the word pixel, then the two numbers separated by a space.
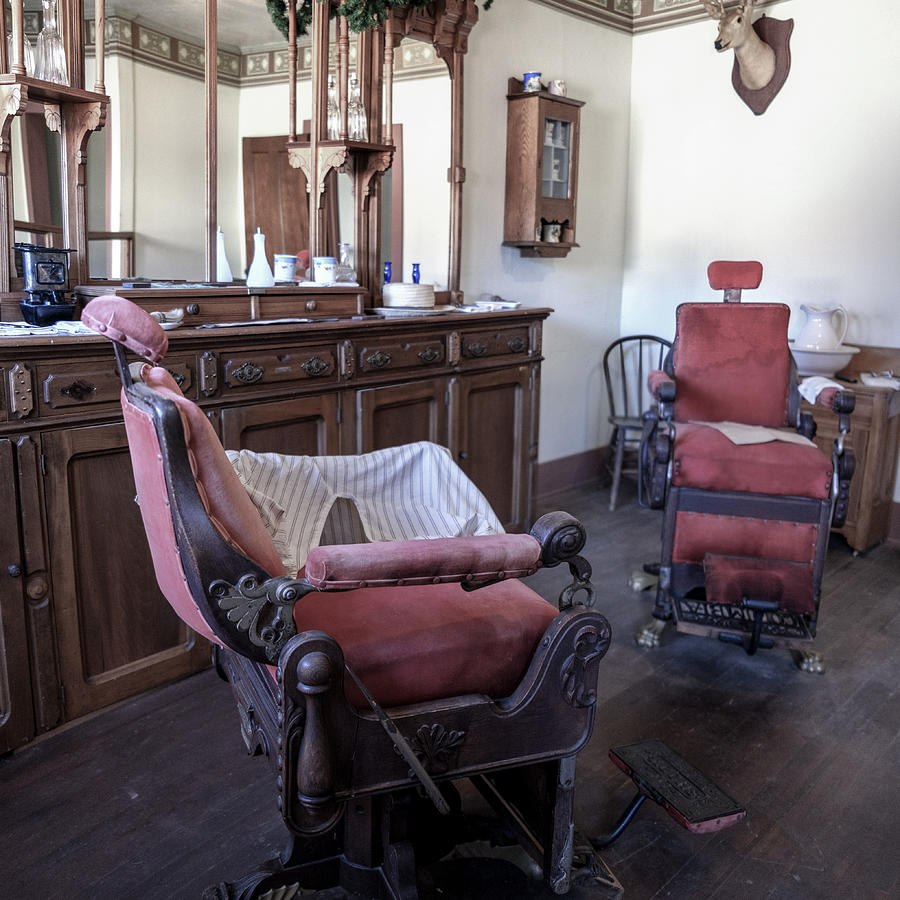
pixel 662 389
pixel 471 560
pixel 838 401
pixel 661 386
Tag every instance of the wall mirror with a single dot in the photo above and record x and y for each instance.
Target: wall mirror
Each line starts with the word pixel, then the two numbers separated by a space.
pixel 146 169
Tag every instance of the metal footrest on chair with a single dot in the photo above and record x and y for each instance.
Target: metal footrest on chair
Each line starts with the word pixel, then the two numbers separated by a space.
pixel 686 794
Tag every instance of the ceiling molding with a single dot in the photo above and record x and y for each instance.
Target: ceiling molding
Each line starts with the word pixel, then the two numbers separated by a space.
pixel 637 16
pixel 161 50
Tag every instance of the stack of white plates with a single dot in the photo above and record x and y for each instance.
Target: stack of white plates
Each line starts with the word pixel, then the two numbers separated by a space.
pixel 408 296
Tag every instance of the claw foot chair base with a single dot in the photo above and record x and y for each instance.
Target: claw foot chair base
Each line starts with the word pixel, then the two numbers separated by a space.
pixel 650 635
pixel 809 661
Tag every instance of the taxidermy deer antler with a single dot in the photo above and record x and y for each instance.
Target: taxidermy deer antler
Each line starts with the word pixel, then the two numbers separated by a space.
pixel 755 58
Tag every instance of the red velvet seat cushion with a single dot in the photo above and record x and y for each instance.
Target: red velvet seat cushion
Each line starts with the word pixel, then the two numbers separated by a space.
pixel 729 579
pixel 705 458
pixel 411 644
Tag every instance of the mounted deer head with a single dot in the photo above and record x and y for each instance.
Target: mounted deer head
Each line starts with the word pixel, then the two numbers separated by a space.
pixel 755 58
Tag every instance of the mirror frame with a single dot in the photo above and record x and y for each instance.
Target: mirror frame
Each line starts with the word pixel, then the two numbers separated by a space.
pixel 446 25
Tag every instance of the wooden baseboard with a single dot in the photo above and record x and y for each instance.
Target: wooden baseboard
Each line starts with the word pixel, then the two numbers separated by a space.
pixel 570 472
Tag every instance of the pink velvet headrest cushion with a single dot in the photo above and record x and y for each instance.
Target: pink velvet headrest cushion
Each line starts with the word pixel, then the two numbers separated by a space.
pixel 122 321
pixel 724 274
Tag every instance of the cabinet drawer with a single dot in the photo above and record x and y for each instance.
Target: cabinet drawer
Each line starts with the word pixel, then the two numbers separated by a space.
pixel 249 368
pixel 494 342
pixel 393 356
pixel 311 307
pixel 70 386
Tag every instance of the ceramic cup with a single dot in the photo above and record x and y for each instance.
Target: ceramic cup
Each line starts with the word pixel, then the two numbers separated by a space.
pixel 323 269
pixel 531 81
pixel 557 87
pixel 285 266
pixel 551 232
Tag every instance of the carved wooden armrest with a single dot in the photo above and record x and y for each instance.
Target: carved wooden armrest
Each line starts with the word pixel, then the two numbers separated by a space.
pixel 473 561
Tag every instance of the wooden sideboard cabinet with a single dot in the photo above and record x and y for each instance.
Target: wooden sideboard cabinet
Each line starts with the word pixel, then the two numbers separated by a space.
pixel 875 440
pixel 83 623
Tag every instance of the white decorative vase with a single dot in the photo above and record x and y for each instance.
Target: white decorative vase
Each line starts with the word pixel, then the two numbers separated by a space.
pixel 223 270
pixel 260 272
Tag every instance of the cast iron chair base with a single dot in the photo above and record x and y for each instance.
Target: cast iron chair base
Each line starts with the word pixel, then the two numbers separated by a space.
pixel 481 860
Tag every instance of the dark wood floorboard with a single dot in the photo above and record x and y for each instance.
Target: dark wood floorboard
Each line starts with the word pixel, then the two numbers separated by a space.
pixel 157 798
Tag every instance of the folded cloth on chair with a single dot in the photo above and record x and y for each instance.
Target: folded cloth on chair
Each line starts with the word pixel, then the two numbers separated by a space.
pixel 738 433
pixel 401 493
pixel 811 387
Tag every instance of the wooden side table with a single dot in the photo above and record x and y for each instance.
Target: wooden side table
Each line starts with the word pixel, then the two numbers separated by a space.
pixel 875 439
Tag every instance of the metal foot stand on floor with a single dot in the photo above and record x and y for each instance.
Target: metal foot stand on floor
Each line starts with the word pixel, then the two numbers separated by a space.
pixel 685 793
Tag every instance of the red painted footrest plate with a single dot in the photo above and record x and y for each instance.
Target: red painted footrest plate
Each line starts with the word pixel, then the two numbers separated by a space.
pixel 683 791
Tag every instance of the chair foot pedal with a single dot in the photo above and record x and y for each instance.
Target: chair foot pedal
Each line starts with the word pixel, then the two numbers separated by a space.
pixel 683 791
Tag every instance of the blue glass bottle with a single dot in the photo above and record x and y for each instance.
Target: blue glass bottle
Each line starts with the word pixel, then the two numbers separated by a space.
pixel 416 274
pixel 387 273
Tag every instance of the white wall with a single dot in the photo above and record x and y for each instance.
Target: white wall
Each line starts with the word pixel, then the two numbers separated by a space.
pixel 810 188
pixel 585 287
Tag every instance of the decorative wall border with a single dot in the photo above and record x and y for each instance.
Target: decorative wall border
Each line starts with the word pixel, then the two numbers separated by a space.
pixel 636 16
pixel 412 59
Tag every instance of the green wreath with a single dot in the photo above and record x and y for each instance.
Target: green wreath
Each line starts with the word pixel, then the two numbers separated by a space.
pixel 361 15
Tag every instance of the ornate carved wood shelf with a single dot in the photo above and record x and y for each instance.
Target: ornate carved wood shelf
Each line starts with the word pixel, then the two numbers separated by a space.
pixel 47 92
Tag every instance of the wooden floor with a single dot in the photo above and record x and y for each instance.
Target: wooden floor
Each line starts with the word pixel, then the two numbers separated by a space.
pixel 156 798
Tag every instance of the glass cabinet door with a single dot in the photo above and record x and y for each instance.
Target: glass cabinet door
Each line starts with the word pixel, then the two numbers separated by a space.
pixel 557 159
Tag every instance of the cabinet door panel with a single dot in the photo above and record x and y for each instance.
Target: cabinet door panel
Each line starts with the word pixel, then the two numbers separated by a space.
pixel 401 414
pixel 116 633
pixel 492 440
pixel 303 426
pixel 16 713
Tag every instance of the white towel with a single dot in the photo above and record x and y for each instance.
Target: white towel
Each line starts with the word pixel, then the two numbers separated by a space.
pixel 401 493
pixel 739 433
pixel 811 387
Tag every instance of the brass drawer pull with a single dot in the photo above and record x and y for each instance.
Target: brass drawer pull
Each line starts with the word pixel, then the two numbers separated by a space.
pixel 379 360
pixel 516 345
pixel 315 366
pixel 479 348
pixel 78 390
pixel 248 373
pixel 429 355
pixel 177 377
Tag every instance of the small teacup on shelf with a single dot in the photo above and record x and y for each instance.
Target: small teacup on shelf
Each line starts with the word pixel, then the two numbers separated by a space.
pixel 531 81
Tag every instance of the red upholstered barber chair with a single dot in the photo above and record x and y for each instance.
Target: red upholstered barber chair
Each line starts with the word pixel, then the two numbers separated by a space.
pixel 746 525
pixel 377 672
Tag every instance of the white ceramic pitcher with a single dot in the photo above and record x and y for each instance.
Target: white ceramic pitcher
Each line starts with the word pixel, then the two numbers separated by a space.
pixel 819 331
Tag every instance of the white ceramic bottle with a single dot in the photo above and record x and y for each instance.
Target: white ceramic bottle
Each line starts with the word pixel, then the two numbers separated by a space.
pixel 260 272
pixel 223 270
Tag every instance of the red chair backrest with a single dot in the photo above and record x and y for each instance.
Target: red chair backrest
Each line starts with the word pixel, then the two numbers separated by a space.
pixel 732 363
